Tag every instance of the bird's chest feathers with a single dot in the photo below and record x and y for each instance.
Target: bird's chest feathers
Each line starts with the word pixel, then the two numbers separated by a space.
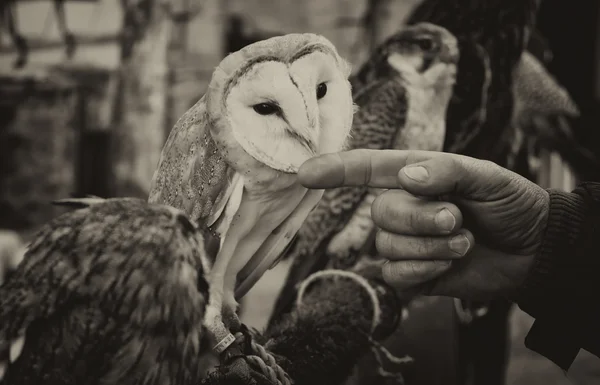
pixel 275 193
pixel 258 215
pixel 262 181
pixel 425 127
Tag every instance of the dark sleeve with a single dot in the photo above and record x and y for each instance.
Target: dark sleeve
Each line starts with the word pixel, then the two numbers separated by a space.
pixel 561 291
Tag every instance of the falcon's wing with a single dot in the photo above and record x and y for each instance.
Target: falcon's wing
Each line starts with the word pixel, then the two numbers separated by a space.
pixel 545 115
pixel 380 117
pixel 139 265
pixel 192 175
pixel 537 90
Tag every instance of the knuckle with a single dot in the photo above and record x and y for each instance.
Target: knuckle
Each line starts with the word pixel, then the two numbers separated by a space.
pixel 415 268
pixel 386 210
pixel 414 220
pixel 412 157
pixel 386 244
pixel 456 164
pixel 366 169
pixel 382 242
pixel 422 246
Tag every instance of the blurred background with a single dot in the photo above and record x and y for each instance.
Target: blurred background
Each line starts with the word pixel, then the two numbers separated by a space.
pixel 89 90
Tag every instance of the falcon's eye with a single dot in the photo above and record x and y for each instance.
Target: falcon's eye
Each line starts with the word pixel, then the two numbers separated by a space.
pixel 425 44
pixel 265 108
pixel 321 90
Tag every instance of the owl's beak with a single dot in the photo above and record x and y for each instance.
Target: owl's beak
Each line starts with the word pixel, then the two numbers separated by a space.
pixel 309 144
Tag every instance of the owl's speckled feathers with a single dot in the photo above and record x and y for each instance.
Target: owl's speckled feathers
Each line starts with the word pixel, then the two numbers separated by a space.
pixel 110 294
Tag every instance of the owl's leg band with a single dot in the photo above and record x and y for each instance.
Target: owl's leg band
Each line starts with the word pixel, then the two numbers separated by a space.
pixel 226 342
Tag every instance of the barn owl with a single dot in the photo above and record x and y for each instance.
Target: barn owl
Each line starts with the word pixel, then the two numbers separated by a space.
pixel 113 292
pixel 230 162
pixel 402 93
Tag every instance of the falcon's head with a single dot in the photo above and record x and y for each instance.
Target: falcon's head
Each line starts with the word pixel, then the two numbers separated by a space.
pixel 425 55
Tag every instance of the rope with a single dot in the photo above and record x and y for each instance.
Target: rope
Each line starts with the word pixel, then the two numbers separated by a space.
pixel 346 274
pixel 266 363
pixel 378 350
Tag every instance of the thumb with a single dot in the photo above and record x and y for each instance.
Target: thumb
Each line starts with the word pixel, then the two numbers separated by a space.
pixel 450 174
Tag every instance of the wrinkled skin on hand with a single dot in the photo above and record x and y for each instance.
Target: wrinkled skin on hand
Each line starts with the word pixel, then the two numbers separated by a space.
pixel 501 215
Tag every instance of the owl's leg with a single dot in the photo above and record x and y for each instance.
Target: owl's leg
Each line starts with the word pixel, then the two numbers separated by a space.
pixel 230 316
pixel 222 278
pixel 230 305
pixel 213 318
pixel 217 288
pixel 233 322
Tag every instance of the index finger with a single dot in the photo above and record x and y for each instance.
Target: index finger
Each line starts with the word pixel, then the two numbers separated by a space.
pixel 361 167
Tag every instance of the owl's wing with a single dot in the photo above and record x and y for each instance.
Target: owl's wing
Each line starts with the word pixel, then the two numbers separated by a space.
pixel 380 117
pixel 271 249
pixel 137 266
pixel 193 176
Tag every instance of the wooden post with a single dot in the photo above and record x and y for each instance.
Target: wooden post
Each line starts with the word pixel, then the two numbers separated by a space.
pixel 139 111
pixel 36 148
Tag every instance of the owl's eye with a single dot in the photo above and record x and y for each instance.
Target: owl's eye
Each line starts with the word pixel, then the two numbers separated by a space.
pixel 321 90
pixel 425 44
pixel 265 108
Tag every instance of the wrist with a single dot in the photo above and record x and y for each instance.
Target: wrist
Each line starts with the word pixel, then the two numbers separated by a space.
pixel 542 285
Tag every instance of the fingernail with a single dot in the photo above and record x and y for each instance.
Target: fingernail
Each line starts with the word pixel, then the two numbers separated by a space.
pixel 417 173
pixel 445 220
pixel 460 244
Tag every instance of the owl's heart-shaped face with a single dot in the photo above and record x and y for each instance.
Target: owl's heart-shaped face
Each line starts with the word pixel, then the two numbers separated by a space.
pixel 284 110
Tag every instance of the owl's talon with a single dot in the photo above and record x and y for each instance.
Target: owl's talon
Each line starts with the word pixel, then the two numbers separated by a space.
pixel 248 337
pixel 231 320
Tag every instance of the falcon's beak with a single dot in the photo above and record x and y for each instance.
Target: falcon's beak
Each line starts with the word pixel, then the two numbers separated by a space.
pixel 449 53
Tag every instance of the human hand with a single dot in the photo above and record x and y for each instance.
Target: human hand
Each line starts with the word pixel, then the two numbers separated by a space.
pixel 431 243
